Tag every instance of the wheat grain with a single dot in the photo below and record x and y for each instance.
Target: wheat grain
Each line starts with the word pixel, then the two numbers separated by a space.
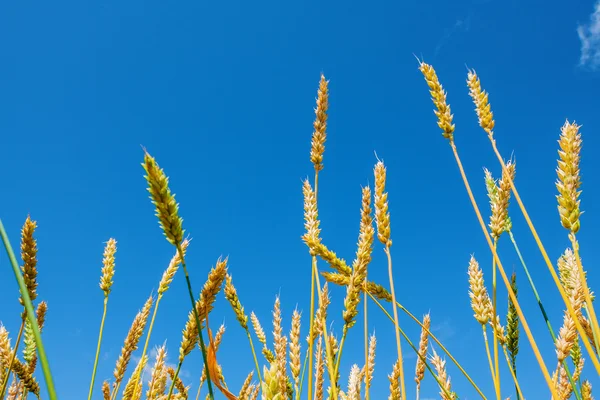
pixel 443 113
pixel 482 105
pixel 155 386
pixel 444 380
pixel 246 389
pixel 422 353
pixel 204 305
pixel 319 369
pixel 167 209
pixel 368 374
pixel 18 368
pixel 232 297
pixel 394 378
pixel 586 390
pixel 363 258
pixel 321 314
pixel 133 385
pixel 382 215
pixel 105 390
pixel 569 181
pixel 29 256
pixel 169 273
pixel 295 349
pixel 280 345
pixel 480 300
pixel 131 341
pixel 320 125
pixel 108 266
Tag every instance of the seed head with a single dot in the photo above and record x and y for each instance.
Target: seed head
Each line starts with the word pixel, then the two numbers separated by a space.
pixel 482 104
pixel 108 266
pixel 29 255
pixel 438 96
pixel 320 125
pixel 167 209
pixel 569 181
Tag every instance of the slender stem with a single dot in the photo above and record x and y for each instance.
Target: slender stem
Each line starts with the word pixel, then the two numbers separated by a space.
pixel 398 345
pixel 200 387
pixel 30 314
pixel 175 379
pixel 489 356
pixel 559 286
pixel 543 311
pixel 311 343
pixel 367 383
pixel 424 359
pixel 341 347
pixel 309 354
pixel 328 349
pixel 435 339
pixel 201 339
pixel 535 292
pixel 530 337
pixel 303 372
pixel 254 354
pixel 115 391
pixel 514 375
pixel 586 290
pixel 98 348
pixel 12 360
pixel 494 314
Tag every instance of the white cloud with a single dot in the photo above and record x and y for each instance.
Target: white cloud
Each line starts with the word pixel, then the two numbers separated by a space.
pixel 589 35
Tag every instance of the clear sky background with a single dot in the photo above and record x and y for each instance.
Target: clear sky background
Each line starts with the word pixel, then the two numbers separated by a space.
pixel 222 94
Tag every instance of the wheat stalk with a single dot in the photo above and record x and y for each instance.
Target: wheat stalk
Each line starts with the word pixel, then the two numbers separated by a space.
pixel 106 282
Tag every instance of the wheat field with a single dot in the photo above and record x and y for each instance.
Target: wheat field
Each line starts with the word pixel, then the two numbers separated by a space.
pixel 305 358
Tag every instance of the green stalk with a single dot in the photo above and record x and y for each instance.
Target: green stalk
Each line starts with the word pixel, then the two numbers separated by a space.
pixel 201 339
pixel 254 354
pixel 341 347
pixel 424 359
pixel 30 314
pixel 175 379
pixel 543 311
pixel 431 335
pixel 514 374
pixel 303 371
pixel 98 348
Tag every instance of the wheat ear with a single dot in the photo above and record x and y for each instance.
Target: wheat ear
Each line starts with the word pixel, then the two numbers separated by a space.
pixel 436 90
pixel 542 249
pixel 106 282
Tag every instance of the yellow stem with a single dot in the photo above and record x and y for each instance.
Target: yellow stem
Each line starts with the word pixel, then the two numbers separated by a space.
pixel 530 337
pixel 367 396
pixel 398 345
pixel 495 312
pixel 312 307
pixel 328 349
pixel 586 290
pixel 489 356
pixel 557 282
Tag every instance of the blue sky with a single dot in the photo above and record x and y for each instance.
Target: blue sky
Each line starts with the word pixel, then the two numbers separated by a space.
pixel 222 94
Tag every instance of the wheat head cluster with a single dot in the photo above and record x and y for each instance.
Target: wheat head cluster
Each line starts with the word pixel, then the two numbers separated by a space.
pixel 291 366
